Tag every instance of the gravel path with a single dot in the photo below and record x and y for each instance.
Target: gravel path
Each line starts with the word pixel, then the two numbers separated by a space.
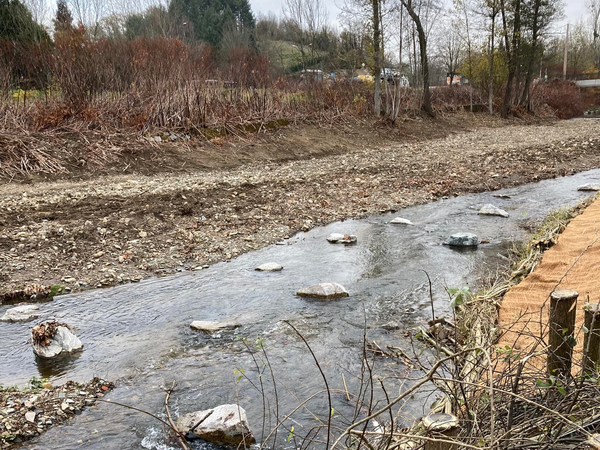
pixel 117 229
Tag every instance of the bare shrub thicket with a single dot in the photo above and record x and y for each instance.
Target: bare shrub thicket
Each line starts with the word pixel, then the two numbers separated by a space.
pixel 161 82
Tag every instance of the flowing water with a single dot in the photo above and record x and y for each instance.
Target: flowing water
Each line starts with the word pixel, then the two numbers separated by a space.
pixel 139 334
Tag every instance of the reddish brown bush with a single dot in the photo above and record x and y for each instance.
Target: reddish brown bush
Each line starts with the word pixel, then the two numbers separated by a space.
pixel 563 99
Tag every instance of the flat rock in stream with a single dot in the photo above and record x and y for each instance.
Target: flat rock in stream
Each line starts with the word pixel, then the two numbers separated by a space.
pixel 21 313
pixel 339 238
pixel 324 290
pixel 61 340
pixel 213 326
pixel 491 210
pixel 590 187
pixel 401 221
pixel 270 267
pixel 462 240
pixel 226 425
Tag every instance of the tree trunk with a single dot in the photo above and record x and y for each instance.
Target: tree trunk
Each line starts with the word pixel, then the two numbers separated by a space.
pixel 529 75
pixel 426 105
pixel 377 51
pixel 513 55
pixel 492 49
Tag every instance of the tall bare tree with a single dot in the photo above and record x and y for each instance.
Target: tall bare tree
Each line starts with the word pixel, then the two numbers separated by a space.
pixel 539 15
pixel 594 8
pixel 450 48
pixel 464 30
pixel 411 9
pixel 88 13
pixel 307 17
pixel 376 5
pixel 511 45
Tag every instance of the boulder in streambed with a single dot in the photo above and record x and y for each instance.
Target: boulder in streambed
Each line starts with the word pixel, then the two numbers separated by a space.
pixel 339 238
pixel 213 326
pixel 51 339
pixel 589 187
pixel 270 267
pixel 21 313
pixel 462 240
pixel 324 290
pixel 225 425
pixel 401 221
pixel 491 210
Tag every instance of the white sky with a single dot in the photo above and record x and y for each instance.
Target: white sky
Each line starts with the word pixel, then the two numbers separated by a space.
pixel 574 9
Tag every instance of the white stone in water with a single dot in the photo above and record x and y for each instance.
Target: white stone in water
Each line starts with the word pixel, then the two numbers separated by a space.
pixel 213 326
pixel 401 221
pixel 64 341
pixel 226 425
pixel 21 313
pixel 491 210
pixel 590 187
pixel 324 290
pixel 270 267
pixel 338 238
pixel 462 240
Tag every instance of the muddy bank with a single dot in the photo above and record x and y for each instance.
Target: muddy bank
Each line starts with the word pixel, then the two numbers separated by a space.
pixel 114 229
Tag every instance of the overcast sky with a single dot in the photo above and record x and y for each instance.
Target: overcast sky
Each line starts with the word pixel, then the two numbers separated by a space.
pixel 574 9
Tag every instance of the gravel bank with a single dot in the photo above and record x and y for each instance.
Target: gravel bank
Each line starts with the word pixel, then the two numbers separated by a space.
pixel 116 229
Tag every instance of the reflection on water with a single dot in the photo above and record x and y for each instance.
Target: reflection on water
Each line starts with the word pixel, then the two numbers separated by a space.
pixel 140 335
pixel 55 367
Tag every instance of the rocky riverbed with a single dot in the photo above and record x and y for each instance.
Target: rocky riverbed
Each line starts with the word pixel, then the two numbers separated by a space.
pixel 25 413
pixel 118 229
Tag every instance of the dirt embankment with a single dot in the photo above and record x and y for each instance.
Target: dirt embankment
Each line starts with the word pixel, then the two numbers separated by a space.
pixel 104 230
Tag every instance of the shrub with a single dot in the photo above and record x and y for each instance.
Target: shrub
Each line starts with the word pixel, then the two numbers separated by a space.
pixel 564 99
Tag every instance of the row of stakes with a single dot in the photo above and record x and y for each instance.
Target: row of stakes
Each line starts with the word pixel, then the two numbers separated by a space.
pixel 563 312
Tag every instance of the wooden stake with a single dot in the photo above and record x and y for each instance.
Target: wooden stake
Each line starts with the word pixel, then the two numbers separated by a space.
pixel 560 337
pixel 591 340
pixel 443 426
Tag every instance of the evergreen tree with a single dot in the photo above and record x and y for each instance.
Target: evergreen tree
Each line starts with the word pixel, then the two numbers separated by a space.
pixel 211 17
pixel 17 24
pixel 63 20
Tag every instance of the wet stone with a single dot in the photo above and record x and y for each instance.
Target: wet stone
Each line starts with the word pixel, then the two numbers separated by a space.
pixel 462 240
pixel 63 341
pixel 324 290
pixel 21 313
pixel 491 210
pixel 401 221
pixel 589 187
pixel 226 424
pixel 269 267
pixel 214 326
pixel 338 238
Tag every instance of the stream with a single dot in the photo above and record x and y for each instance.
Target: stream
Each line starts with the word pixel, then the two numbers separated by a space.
pixel 139 335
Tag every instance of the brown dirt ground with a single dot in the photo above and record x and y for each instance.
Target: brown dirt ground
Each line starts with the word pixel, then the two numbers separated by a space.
pixel 185 206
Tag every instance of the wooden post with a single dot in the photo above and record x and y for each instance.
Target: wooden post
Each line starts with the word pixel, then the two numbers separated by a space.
pixel 443 426
pixel 591 340
pixel 563 304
